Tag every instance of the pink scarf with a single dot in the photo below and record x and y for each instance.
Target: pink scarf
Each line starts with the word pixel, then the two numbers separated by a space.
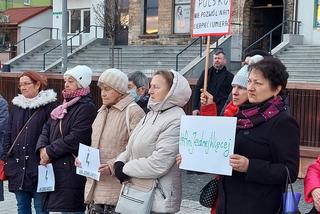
pixel 61 110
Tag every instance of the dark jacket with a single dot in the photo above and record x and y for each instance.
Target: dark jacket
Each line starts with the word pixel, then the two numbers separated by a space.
pixel 61 149
pixel 3 126
pixel 143 102
pixel 269 147
pixel 219 85
pixel 22 164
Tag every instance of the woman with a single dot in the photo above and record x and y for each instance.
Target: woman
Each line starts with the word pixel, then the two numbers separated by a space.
pixel 30 110
pixel 153 145
pixel 116 118
pixel 312 185
pixel 4 114
pixel 266 143
pixel 69 125
pixel 138 88
pixel 239 93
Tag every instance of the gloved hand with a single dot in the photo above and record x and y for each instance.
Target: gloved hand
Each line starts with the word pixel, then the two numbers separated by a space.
pixel 118 166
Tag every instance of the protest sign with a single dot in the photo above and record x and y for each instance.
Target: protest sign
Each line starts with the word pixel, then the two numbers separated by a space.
pixel 46 179
pixel 90 161
pixel 206 143
pixel 211 17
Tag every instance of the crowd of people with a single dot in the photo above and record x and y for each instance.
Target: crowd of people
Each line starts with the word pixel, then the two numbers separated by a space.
pixel 136 131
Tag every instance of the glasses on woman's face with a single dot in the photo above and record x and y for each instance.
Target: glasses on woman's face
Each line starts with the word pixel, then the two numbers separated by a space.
pixel 24 84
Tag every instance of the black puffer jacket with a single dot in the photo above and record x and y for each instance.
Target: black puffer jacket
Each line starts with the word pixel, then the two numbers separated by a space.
pixel 22 164
pixel 76 128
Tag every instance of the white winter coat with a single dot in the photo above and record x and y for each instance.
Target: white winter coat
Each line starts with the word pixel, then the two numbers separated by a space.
pixel 154 144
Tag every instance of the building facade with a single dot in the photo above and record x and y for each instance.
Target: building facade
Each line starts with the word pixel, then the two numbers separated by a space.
pixel 7 4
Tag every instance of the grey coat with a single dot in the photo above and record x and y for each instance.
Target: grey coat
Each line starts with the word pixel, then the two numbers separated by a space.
pixel 154 144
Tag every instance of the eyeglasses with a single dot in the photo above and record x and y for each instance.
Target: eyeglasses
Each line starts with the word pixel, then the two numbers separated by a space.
pixel 21 84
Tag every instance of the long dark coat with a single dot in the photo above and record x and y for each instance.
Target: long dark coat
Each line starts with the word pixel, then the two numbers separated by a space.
pixel 22 164
pixel 269 147
pixel 62 148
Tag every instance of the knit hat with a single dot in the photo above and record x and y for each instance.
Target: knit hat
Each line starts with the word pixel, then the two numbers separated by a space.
pixel 115 79
pixel 241 78
pixel 81 73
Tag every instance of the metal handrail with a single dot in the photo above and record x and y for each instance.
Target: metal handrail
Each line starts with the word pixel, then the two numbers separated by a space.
pixel 44 55
pixel 184 49
pixel 295 30
pixel 24 39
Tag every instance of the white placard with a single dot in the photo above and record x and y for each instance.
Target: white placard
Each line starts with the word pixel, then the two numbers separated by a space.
pixel 90 162
pixel 206 143
pixel 211 18
pixel 46 180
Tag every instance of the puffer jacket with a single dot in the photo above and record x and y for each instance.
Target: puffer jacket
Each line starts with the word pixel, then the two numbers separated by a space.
pixel 154 144
pixel 22 164
pixel 110 135
pixel 312 180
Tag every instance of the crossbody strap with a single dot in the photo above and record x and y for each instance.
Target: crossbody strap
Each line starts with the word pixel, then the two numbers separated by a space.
pixel 24 126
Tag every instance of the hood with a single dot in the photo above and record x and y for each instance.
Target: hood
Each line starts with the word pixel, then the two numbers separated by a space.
pixel 42 99
pixel 179 94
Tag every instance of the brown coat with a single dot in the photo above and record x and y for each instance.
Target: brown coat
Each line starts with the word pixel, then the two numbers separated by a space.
pixel 110 135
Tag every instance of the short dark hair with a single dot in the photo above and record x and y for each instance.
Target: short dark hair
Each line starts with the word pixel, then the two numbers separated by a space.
pixel 139 79
pixel 273 70
pixel 219 51
pixel 167 75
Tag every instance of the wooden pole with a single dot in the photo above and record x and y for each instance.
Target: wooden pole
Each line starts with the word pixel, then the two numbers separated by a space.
pixel 205 83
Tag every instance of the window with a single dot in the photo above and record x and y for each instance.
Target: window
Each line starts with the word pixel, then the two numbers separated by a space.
pixel 26 2
pixel 151 16
pixel 75 21
pixel 181 16
pixel 79 20
pixel 317 13
pixel 86 21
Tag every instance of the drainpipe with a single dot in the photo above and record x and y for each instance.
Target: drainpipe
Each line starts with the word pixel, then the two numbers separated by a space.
pixel 64 37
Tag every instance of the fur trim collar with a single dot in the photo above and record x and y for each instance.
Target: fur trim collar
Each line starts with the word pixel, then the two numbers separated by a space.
pixel 42 99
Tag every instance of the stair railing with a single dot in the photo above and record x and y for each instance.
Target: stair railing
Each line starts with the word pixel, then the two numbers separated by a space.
pixel 71 45
pixel 188 46
pixel 23 41
pixel 293 28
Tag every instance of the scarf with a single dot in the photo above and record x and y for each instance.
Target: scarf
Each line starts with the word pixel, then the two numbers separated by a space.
pixel 231 110
pixel 75 96
pixel 257 114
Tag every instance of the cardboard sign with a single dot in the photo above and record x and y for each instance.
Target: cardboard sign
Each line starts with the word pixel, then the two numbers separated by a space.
pixel 206 143
pixel 211 18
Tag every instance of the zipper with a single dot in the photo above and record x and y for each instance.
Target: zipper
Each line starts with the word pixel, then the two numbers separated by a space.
pixel 159 186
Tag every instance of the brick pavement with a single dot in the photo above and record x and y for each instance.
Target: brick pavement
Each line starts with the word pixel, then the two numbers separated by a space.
pixel 187 207
pixel 189 203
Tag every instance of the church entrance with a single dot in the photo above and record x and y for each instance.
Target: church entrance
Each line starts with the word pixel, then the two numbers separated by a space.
pixel 264 16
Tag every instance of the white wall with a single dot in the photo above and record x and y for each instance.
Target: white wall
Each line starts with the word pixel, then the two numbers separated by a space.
pixel 311 35
pixel 76 4
pixel 32 25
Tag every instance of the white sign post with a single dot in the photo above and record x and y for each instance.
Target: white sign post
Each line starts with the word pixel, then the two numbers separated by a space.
pixel 206 143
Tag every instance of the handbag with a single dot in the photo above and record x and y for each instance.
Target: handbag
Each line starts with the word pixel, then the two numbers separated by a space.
pixel 209 193
pixel 136 196
pixel 290 198
pixel 2 175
